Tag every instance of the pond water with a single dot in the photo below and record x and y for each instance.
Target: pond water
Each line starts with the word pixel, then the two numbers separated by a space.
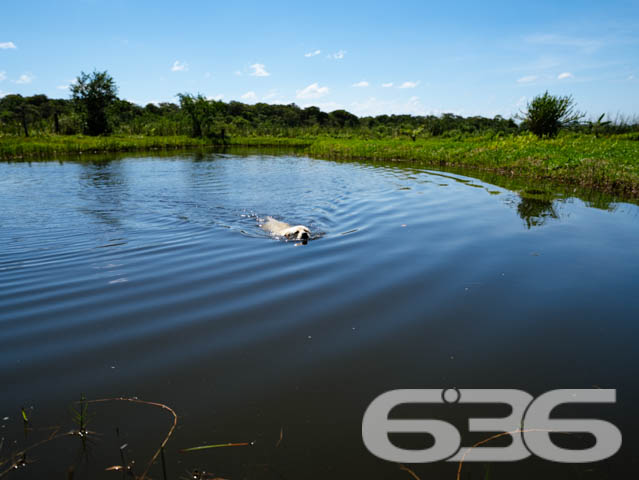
pixel 150 277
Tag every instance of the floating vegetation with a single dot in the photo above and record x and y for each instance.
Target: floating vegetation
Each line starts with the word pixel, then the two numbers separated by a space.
pixel 219 445
pixel 25 418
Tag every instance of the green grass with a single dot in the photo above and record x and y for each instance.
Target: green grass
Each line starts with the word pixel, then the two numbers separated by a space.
pixel 271 142
pixel 15 148
pixel 606 164
pixel 12 148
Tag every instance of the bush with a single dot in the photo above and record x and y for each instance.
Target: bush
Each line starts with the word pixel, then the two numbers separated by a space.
pixel 546 114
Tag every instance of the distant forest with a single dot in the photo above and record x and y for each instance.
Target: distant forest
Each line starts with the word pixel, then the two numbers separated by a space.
pixel 198 116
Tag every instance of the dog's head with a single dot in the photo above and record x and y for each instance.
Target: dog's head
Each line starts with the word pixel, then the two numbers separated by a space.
pixel 298 232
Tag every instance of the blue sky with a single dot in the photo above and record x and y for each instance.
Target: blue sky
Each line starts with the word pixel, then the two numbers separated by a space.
pixel 368 57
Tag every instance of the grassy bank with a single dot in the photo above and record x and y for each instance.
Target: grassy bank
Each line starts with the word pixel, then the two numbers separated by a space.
pixel 16 148
pixel 606 164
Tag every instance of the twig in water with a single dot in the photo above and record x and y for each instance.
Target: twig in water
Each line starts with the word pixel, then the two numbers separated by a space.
pixel 144 402
pixel 486 440
pixel 163 463
pixel 406 469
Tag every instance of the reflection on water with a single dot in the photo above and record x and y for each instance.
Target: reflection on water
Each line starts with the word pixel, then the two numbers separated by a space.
pixel 103 189
pixel 150 277
pixel 536 211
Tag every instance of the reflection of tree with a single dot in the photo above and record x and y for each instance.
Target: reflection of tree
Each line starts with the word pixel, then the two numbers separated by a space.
pixel 535 211
pixel 103 186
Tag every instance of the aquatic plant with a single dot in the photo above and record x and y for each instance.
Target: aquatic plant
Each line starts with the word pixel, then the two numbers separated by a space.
pixel 80 418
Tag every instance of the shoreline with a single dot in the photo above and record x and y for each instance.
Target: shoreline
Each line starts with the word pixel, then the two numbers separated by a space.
pixel 609 165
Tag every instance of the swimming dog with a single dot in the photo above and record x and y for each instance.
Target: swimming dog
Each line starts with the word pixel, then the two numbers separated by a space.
pixel 283 229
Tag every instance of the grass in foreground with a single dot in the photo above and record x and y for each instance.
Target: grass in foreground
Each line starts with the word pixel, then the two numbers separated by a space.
pixel 606 164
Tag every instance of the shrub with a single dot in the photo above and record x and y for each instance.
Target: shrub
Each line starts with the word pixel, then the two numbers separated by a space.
pixel 546 114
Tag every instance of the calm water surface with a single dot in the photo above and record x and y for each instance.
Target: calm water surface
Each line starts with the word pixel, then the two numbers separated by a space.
pixel 150 277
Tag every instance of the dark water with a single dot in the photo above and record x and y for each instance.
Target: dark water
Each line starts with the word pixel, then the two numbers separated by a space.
pixel 150 277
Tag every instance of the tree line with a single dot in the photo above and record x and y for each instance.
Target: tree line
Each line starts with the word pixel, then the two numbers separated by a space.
pixel 95 109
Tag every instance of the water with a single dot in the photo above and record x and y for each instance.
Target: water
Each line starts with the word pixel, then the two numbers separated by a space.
pixel 150 277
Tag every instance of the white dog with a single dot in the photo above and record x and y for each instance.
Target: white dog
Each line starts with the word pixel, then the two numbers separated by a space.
pixel 283 229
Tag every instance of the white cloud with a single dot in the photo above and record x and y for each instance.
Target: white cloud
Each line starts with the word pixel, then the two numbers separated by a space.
pixel 25 78
pixel 387 85
pixel 312 91
pixel 249 96
pixel 337 55
pixel 527 79
pixel 363 83
pixel 7 45
pixel 259 70
pixel 3 75
pixel 217 97
pixel 312 54
pixel 238 73
pixel 409 85
pixel 179 66
pixel 565 75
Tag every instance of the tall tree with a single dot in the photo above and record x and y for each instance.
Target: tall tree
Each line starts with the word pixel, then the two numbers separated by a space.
pixel 93 94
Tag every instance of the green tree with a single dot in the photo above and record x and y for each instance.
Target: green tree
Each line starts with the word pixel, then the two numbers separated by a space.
pixel 93 94
pixel 21 111
pixel 205 115
pixel 197 110
pixel 342 118
pixel 546 114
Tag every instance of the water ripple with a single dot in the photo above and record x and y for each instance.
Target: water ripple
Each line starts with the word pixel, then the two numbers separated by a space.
pixel 157 269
